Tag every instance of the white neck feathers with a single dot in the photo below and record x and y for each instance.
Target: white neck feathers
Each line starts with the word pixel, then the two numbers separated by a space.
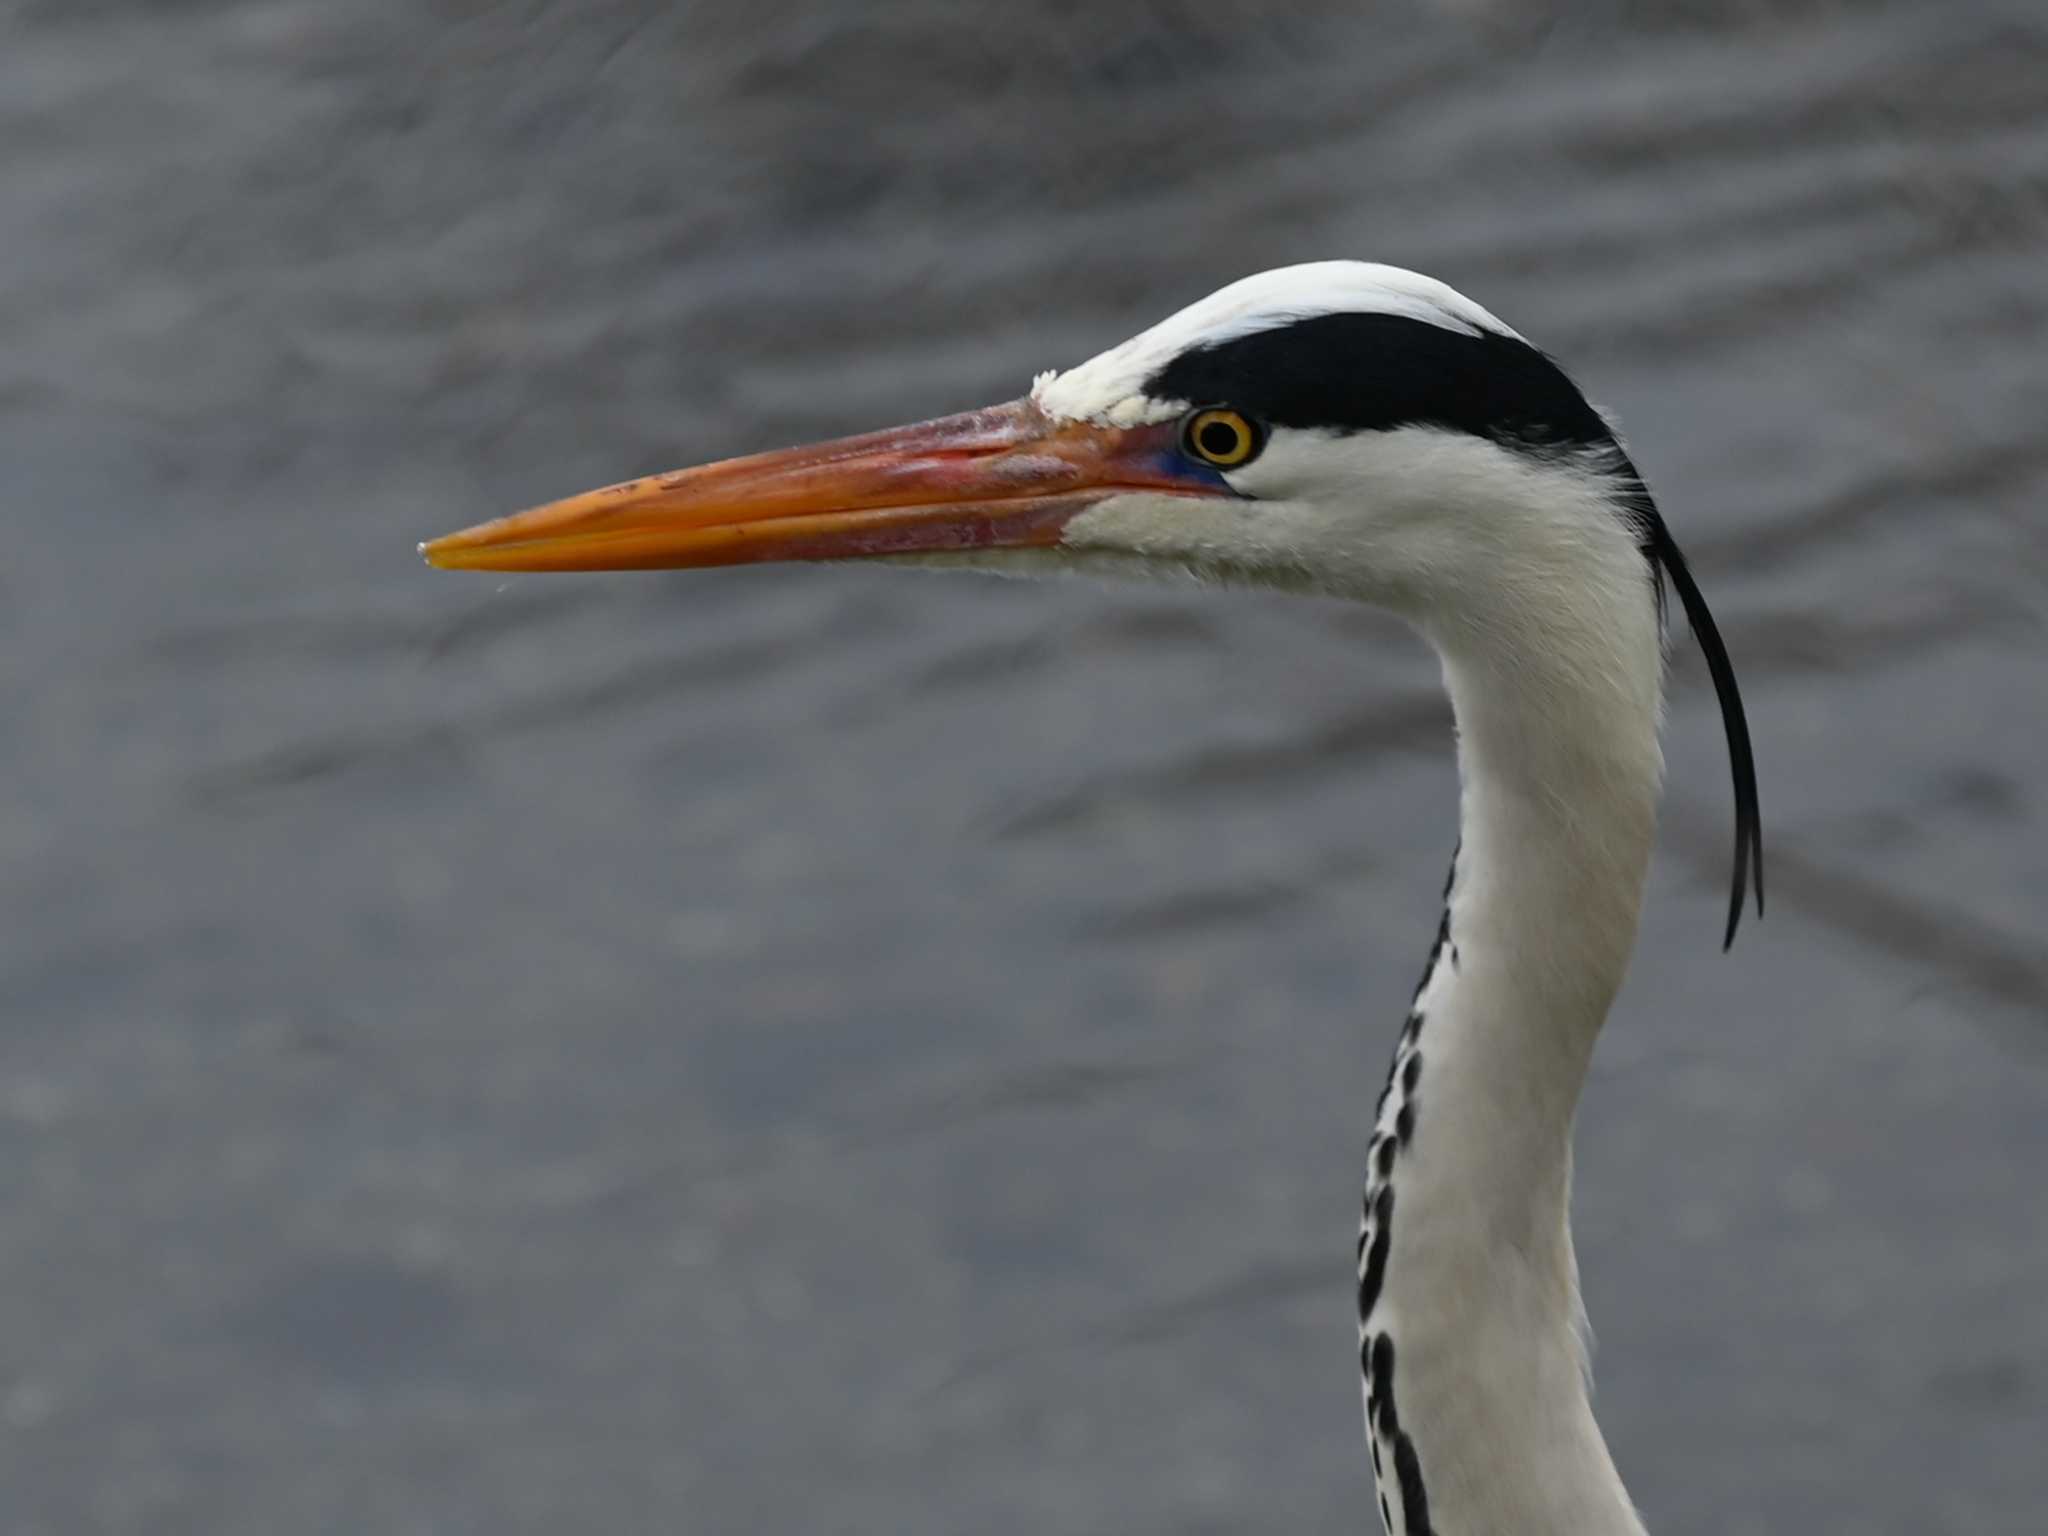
pixel 1471 1329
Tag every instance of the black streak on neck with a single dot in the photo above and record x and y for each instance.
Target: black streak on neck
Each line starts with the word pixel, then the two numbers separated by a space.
pixel 1375 1244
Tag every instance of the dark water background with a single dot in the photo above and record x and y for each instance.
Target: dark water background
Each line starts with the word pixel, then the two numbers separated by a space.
pixel 855 1051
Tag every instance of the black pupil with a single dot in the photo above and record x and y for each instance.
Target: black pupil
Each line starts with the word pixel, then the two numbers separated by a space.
pixel 1219 439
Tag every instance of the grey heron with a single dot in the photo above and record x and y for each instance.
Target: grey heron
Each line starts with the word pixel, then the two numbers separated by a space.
pixel 1349 429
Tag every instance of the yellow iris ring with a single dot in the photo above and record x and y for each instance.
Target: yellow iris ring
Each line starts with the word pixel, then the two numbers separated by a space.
pixel 1220 437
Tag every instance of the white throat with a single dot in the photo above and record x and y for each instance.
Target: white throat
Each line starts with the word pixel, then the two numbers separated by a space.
pixel 1471 1330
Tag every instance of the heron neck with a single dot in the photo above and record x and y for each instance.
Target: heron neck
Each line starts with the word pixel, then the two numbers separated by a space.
pixel 1470 1321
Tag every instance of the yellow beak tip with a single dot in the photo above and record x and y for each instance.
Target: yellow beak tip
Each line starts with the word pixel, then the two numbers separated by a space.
pixel 443 554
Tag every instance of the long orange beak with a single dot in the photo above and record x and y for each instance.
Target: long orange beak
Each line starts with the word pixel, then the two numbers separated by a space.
pixel 1008 477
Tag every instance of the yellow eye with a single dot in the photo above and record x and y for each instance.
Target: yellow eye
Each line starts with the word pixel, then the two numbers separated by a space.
pixel 1220 437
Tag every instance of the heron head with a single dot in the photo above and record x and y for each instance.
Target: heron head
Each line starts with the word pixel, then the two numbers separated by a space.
pixel 1339 427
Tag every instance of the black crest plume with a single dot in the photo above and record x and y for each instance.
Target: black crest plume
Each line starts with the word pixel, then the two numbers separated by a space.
pixel 1663 551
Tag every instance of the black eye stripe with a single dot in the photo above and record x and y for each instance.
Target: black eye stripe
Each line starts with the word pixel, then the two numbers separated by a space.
pixel 1365 372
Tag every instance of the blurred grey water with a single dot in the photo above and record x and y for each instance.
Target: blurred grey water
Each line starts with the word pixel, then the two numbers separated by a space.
pixel 844 1050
